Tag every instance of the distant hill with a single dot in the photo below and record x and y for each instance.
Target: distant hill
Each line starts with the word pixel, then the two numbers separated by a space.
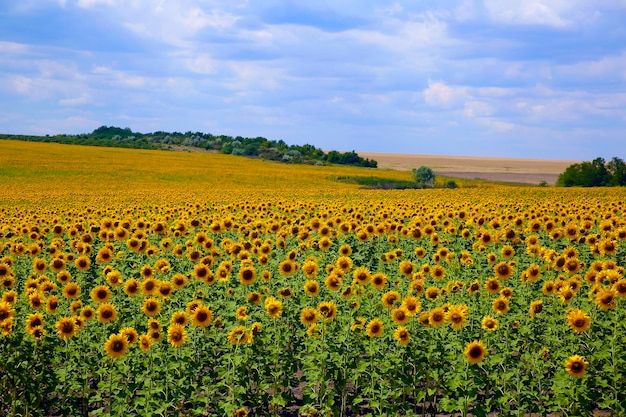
pixel 258 147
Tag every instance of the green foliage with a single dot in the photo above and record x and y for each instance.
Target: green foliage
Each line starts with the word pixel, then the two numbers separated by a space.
pixel 260 147
pixel 596 173
pixel 424 176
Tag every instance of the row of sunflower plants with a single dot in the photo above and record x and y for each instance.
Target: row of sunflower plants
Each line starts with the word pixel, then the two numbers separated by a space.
pixel 404 318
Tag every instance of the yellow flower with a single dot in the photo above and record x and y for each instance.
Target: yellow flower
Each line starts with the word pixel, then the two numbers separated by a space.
pixel 401 334
pixel 176 335
pixel 375 328
pixel 578 320
pixel 475 352
pixel 576 366
pixel 116 346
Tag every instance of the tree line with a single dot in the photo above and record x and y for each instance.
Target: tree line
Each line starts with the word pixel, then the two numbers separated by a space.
pixel 258 147
pixel 596 173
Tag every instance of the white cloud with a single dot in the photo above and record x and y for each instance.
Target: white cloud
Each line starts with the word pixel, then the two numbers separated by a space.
pixel 76 101
pixel 534 12
pixel 477 109
pixel 12 48
pixel 202 64
pixel 91 3
pixel 438 94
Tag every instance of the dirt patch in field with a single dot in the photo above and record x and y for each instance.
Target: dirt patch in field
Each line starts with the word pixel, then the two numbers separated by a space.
pixel 520 170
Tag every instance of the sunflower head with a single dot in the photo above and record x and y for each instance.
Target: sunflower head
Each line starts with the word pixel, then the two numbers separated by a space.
pixel 576 366
pixel 475 352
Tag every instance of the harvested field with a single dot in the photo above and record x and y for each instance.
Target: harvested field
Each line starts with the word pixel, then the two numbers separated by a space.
pixel 520 170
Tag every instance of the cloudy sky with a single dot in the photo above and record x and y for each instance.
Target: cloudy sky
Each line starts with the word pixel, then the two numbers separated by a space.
pixel 527 78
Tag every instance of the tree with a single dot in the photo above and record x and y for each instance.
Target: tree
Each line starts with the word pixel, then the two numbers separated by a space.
pixel 596 173
pixel 424 176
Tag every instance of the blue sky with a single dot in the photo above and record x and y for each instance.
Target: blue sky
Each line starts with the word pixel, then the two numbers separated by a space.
pixel 527 78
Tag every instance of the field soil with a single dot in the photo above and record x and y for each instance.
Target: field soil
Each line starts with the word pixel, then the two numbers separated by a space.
pixel 517 170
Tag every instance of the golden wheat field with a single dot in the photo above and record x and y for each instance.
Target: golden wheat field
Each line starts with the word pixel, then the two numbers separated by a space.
pixel 196 284
pixel 513 170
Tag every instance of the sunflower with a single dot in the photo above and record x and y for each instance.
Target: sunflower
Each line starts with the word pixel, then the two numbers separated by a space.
pixel 104 255
pixel 489 323
pixel 401 334
pixel 106 313
pixel 132 287
pixel 390 298
pixel 378 280
pixel 605 298
pixel 114 278
pixel 238 335
pixel 39 265
pixel 255 328
pixel 578 320
pixel 432 293
pixel 130 334
pixel 285 292
pixel 328 310
pixel 165 289
pixel 412 305
pixel 9 297
pixel 308 316
pixel 149 286
pixel 475 352
pixel 64 277
pixel 500 305
pixel 36 300
pixel 548 288
pixel 100 294
pixel 566 294
pixel 535 308
pixel 324 243
pixel 75 306
pixel 312 288
pixel 52 304
pixel 400 316
pixel 437 317
pixel 273 307
pixel 310 269
pixel 6 312
pixel 503 270
pixel 576 366
pixel 287 268
pixel 345 250
pixel 82 263
pixel 240 412
pixel 71 290
pixel 176 335
pixel 37 333
pixel 493 286
pixel 202 316
pixel 507 252
pixel 375 328
pixel 200 271
pixel 180 317
pixel 333 282
pixel 438 272
pixel 344 263
pixel 33 321
pixel 474 287
pixel 407 268
pixel 506 292
pixel 457 316
pixel 151 307
pixel 247 275
pixel 242 313
pixel 620 287
pixel 66 327
pixel 362 275
pixel 533 272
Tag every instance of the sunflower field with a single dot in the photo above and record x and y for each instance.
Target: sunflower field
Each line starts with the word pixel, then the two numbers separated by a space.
pixel 163 283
